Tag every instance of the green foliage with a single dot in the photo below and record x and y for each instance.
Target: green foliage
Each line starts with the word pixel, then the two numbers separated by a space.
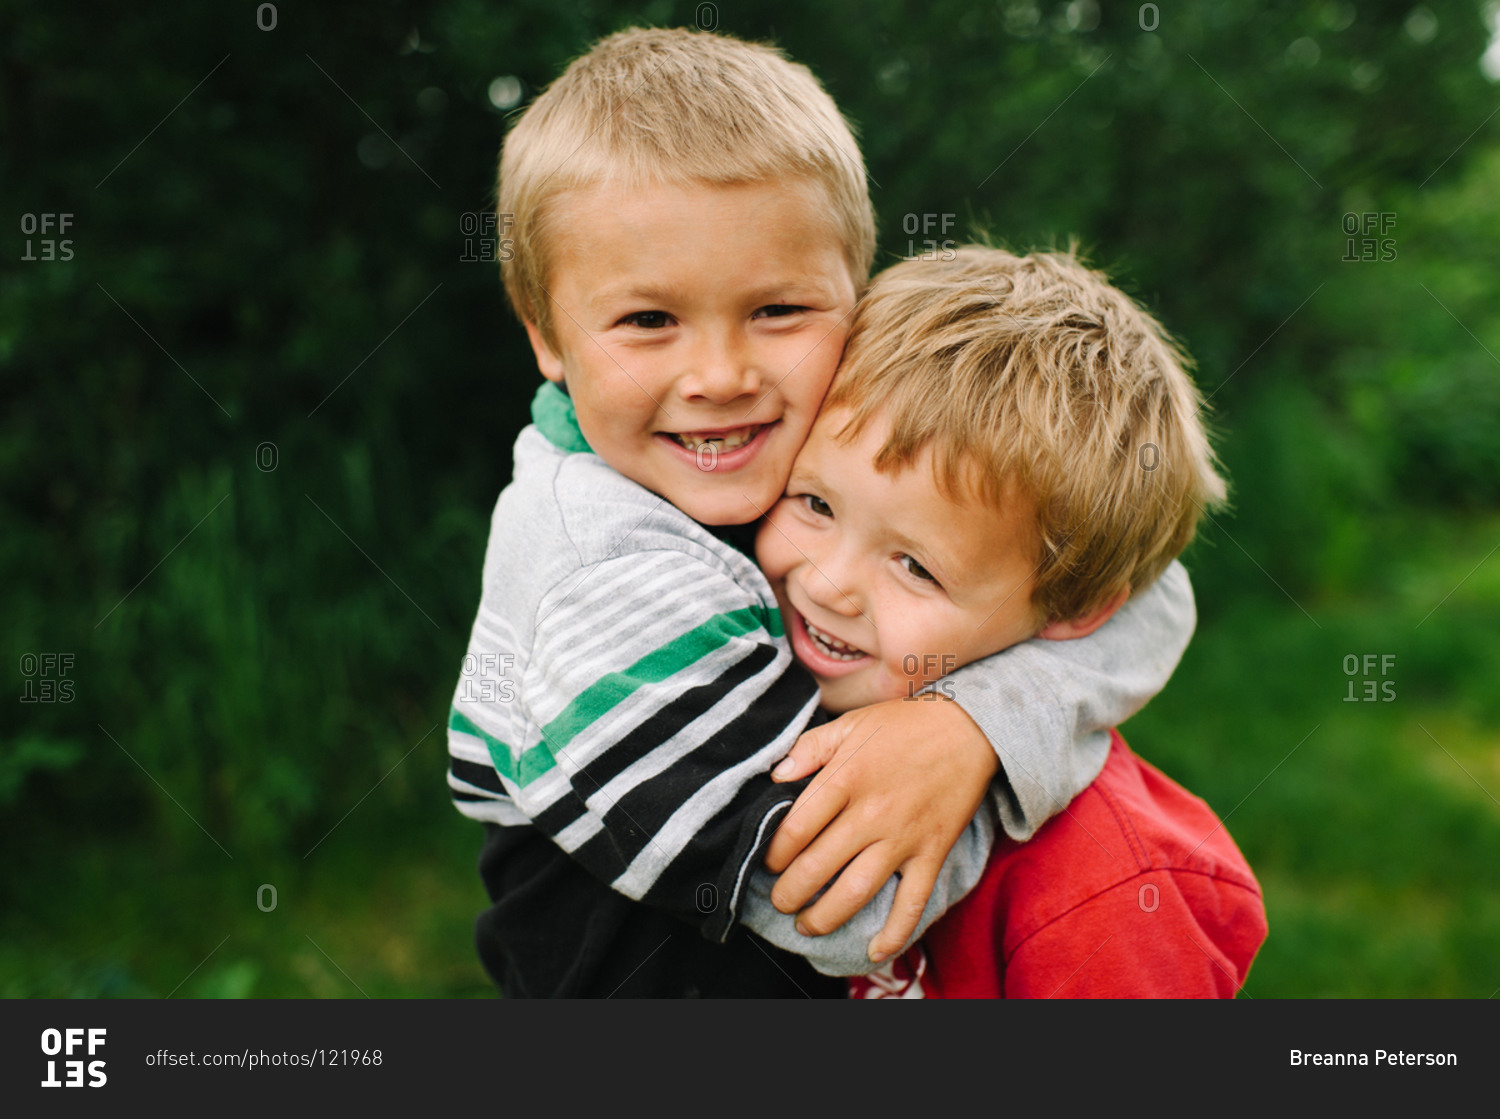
pixel 261 655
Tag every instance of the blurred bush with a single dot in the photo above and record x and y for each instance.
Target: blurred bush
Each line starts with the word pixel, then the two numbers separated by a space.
pixel 266 267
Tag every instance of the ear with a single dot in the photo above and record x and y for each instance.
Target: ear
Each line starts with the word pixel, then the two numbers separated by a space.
pixel 548 362
pixel 1082 627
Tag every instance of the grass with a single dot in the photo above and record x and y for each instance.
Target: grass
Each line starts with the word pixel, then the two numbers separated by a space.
pixel 373 915
pixel 1373 826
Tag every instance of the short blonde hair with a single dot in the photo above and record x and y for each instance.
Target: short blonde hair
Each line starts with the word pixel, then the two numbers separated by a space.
pixel 674 106
pixel 1036 371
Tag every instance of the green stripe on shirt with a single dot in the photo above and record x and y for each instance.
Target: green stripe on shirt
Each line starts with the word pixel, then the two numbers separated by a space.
pixel 610 690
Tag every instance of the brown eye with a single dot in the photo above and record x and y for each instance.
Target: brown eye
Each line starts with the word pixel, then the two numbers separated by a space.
pixel 647 320
pixel 819 506
pixel 915 568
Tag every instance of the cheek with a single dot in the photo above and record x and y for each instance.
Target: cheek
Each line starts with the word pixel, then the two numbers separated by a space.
pixel 910 654
pixel 813 373
pixel 775 552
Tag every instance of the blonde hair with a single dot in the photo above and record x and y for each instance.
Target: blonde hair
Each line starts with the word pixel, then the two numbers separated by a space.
pixel 674 106
pixel 1035 371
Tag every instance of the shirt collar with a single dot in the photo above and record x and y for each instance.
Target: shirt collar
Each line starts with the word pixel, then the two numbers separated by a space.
pixel 555 417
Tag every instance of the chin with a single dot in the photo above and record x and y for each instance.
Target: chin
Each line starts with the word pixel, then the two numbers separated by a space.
pixel 710 511
pixel 732 506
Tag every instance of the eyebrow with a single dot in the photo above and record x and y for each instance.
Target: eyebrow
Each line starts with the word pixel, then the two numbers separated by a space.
pixel 638 293
pixel 787 292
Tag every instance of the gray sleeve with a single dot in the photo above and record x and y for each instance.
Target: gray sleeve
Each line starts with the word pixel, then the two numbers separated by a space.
pixel 843 951
pixel 1047 706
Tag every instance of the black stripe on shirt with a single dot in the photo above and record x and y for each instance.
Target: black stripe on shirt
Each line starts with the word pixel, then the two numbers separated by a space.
pixel 774 708
pixel 473 773
pixel 643 811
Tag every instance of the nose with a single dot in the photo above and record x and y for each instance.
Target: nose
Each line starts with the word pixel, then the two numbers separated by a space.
pixel 722 370
pixel 831 580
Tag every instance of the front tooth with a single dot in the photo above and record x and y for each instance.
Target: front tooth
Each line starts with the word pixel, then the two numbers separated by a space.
pixel 727 442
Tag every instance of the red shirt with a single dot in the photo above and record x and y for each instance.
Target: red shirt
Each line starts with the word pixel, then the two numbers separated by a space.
pixel 1135 890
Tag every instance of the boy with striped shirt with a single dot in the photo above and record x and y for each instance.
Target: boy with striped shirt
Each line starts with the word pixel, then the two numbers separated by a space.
pixel 692 233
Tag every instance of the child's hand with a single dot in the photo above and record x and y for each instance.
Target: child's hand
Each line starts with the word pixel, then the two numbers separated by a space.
pixel 900 782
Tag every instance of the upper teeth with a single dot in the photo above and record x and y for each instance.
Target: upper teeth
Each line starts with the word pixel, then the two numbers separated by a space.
pixel 724 441
pixel 832 646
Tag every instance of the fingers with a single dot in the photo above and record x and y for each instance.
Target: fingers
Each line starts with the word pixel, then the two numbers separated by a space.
pixel 836 849
pixel 860 881
pixel 917 880
pixel 813 750
pixel 818 804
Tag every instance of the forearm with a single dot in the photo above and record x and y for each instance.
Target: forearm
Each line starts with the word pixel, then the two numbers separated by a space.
pixel 1047 706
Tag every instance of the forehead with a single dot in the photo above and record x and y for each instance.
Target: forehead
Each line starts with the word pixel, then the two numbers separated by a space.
pixel 635 227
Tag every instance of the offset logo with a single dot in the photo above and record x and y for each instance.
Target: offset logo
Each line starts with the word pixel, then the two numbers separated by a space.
pixel 67 1043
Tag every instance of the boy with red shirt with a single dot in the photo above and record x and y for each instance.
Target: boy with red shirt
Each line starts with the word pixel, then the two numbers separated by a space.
pixel 1010 448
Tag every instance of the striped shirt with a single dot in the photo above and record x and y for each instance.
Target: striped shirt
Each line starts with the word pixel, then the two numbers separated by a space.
pixel 628 687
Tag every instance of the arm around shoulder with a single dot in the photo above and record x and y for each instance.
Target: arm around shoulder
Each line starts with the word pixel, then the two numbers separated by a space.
pixel 1047 706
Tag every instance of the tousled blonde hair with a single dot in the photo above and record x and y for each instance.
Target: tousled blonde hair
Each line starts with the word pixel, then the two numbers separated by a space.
pixel 674 106
pixel 1035 371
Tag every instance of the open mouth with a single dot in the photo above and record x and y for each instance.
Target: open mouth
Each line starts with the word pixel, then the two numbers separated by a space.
pixel 831 646
pixel 720 441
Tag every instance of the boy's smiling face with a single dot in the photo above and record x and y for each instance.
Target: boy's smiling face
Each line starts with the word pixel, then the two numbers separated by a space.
pixel 885 583
pixel 697 328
